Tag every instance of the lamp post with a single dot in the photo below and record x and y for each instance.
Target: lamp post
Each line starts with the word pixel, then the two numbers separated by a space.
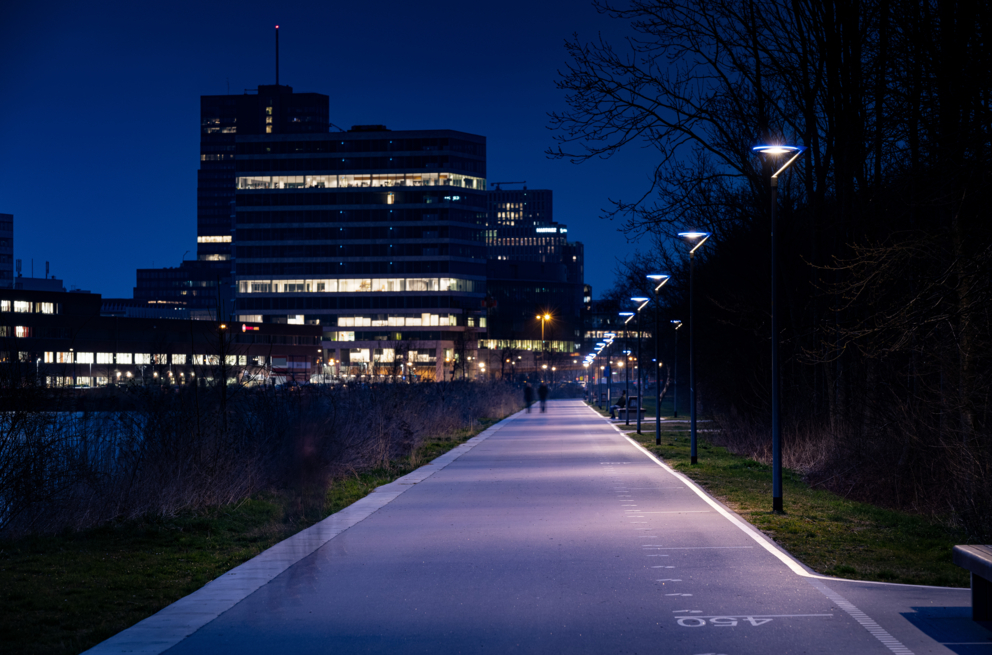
pixel 675 373
pixel 643 302
pixel 628 316
pixel 543 318
pixel 659 280
pixel 776 151
pixel 701 237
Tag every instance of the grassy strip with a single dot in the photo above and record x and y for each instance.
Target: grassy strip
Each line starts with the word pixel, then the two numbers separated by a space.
pixel 830 534
pixel 66 593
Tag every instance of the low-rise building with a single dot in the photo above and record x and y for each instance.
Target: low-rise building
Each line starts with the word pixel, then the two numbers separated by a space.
pixel 65 339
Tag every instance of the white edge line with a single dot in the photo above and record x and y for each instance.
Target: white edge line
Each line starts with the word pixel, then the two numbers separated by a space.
pixel 173 623
pixel 765 541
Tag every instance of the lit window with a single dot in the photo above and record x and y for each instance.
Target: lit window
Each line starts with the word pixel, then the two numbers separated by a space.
pixel 49 358
pixel 22 307
pixel 105 358
pixel 81 358
pixel 22 331
pixel 220 239
pixel 142 358
pixel 123 358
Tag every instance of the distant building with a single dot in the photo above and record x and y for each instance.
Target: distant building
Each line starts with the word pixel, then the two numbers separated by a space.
pixel 66 339
pixel 272 110
pixel 6 251
pixel 532 269
pixel 206 283
pixel 372 234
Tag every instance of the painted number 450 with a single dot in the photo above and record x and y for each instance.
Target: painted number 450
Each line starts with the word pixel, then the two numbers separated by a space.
pixel 719 621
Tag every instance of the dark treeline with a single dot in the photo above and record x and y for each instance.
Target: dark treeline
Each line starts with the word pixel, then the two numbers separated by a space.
pixel 884 232
pixel 119 453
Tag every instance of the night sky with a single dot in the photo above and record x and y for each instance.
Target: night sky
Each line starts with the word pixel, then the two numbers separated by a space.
pixel 100 113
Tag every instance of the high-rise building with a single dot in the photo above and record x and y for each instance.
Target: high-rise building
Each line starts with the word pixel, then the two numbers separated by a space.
pixel 273 109
pixel 206 283
pixel 373 234
pixel 533 269
pixel 6 251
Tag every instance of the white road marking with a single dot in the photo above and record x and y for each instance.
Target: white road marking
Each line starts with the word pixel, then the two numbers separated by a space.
pixel 663 567
pixel 682 595
pixel 669 580
pixel 876 630
pixel 725 621
pixel 683 511
pixel 660 547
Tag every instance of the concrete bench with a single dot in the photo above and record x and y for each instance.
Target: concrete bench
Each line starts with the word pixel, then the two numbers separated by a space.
pixel 622 412
pixel 978 561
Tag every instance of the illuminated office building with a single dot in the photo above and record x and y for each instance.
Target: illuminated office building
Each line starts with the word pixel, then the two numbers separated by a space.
pixel 205 283
pixel 532 269
pixel 373 234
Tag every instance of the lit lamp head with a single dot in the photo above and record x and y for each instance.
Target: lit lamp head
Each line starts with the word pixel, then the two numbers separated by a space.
pixel 627 315
pixel 641 301
pixel 778 151
pixel 659 279
pixel 676 323
pixel 697 236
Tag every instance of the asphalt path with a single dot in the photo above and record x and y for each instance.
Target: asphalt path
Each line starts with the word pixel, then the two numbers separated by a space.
pixel 554 534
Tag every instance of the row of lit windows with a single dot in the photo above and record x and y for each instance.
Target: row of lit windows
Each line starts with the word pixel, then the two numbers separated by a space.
pixel 220 239
pixel 359 285
pixel 367 180
pixel 404 320
pixel 27 307
pixel 140 359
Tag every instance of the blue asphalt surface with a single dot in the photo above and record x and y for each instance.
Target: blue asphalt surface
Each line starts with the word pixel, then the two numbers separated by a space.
pixel 557 535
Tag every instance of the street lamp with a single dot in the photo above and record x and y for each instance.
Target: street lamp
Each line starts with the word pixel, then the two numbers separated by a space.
pixel 701 237
pixel 776 151
pixel 543 318
pixel 642 301
pixel 675 374
pixel 628 316
pixel 659 280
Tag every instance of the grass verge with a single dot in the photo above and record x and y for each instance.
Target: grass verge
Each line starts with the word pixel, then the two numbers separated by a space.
pixel 830 534
pixel 66 593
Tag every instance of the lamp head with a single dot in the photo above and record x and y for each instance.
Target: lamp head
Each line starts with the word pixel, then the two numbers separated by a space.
pixel 693 235
pixel 626 313
pixel 639 299
pixel 777 150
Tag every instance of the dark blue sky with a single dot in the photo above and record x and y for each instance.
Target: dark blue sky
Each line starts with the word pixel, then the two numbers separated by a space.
pixel 100 114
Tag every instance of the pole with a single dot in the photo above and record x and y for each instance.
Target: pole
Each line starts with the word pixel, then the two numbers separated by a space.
pixel 277 63
pixel 692 363
pixel 626 366
pixel 640 375
pixel 609 378
pixel 675 389
pixel 776 388
pixel 657 370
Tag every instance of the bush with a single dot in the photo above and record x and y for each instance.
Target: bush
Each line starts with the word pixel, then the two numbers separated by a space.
pixel 66 463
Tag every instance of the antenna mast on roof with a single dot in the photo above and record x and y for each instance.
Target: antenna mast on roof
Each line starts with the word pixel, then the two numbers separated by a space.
pixel 277 55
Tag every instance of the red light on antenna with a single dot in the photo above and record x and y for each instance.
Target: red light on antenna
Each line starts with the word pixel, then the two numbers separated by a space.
pixel 277 27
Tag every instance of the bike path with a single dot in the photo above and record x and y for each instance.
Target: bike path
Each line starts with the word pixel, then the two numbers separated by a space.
pixel 553 533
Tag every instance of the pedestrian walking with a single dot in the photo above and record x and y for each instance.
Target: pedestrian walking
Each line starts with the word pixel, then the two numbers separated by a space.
pixel 542 393
pixel 528 395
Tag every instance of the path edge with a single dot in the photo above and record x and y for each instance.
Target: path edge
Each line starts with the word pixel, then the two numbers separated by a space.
pixel 177 621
